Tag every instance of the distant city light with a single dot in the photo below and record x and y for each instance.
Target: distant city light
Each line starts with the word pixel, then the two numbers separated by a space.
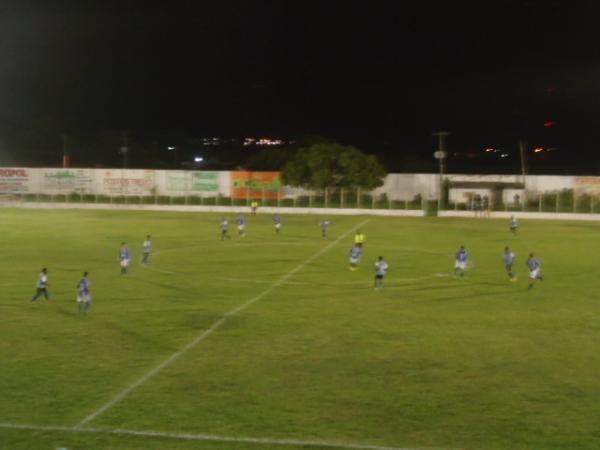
pixel 263 141
pixel 538 149
pixel 198 159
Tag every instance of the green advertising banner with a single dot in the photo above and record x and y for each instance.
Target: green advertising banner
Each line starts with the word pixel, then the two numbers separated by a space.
pixel 193 181
pixel 67 180
pixel 205 181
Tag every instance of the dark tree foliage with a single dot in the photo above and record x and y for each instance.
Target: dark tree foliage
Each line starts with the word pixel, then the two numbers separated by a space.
pixel 331 165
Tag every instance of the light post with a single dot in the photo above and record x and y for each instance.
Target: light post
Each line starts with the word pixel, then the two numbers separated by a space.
pixel 66 159
pixel 441 156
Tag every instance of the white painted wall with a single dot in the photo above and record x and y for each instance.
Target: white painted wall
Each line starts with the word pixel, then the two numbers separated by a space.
pixel 18 180
pixel 522 215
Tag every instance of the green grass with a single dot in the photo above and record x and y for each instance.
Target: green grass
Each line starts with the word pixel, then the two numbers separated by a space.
pixel 428 362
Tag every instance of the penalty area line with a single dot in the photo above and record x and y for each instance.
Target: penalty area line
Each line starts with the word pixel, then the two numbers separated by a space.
pixel 194 342
pixel 200 437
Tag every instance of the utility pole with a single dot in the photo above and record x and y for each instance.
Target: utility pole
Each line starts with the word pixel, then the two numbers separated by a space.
pixel 441 156
pixel 522 150
pixel 66 159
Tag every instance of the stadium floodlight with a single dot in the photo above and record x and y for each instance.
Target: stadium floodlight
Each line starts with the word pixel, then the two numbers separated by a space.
pixel 198 159
pixel 441 156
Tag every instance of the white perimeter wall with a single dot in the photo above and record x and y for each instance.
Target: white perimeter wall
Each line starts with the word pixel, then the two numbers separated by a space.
pixel 16 180
pixel 114 182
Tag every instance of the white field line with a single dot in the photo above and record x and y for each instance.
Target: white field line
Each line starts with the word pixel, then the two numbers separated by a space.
pixel 256 281
pixel 201 437
pixel 121 395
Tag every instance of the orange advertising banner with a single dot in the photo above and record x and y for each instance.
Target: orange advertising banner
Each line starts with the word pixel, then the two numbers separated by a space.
pixel 255 184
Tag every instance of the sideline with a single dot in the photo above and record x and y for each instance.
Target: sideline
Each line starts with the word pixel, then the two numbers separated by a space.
pixel 201 437
pixel 222 209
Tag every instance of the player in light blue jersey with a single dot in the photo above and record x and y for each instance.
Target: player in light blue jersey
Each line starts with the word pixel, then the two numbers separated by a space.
pixel 147 249
pixel 277 222
pixel 513 225
pixel 460 261
pixel 225 229
pixel 84 297
pixel 509 259
pixel 241 224
pixel 381 268
pixel 355 255
pixel 324 224
pixel 124 258
pixel 41 287
pixel 534 266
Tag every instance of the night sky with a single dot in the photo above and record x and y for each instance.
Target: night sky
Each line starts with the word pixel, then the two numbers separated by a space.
pixel 381 75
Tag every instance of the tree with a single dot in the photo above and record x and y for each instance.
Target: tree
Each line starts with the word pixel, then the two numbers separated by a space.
pixel 331 165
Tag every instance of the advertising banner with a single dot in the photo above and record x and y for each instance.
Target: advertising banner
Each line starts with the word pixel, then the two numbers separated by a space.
pixel 176 181
pixel 67 180
pixel 587 185
pixel 255 184
pixel 14 180
pixel 128 182
pixel 205 182
pixel 192 182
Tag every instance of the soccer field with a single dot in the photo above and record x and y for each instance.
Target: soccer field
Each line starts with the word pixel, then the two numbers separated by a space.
pixel 270 342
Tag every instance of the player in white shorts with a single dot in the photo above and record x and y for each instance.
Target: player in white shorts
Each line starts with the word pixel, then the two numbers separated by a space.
pixel 355 254
pixel 84 297
pixel 241 221
pixel 534 266
pixel 124 257
pixel 460 262
pixel 277 223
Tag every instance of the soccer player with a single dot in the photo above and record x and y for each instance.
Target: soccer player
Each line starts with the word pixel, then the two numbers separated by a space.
pixel 277 222
pixel 225 229
pixel 359 238
pixel 84 298
pixel 513 225
pixel 241 224
pixel 380 268
pixel 124 257
pixel 509 259
pixel 534 266
pixel 254 207
pixel 460 263
pixel 324 227
pixel 42 286
pixel 355 255
pixel 147 249
pixel 485 203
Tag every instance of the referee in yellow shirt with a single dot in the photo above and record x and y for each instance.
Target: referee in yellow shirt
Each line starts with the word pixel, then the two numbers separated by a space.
pixel 359 238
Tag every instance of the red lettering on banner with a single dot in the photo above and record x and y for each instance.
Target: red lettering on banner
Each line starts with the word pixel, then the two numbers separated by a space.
pixel 9 173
